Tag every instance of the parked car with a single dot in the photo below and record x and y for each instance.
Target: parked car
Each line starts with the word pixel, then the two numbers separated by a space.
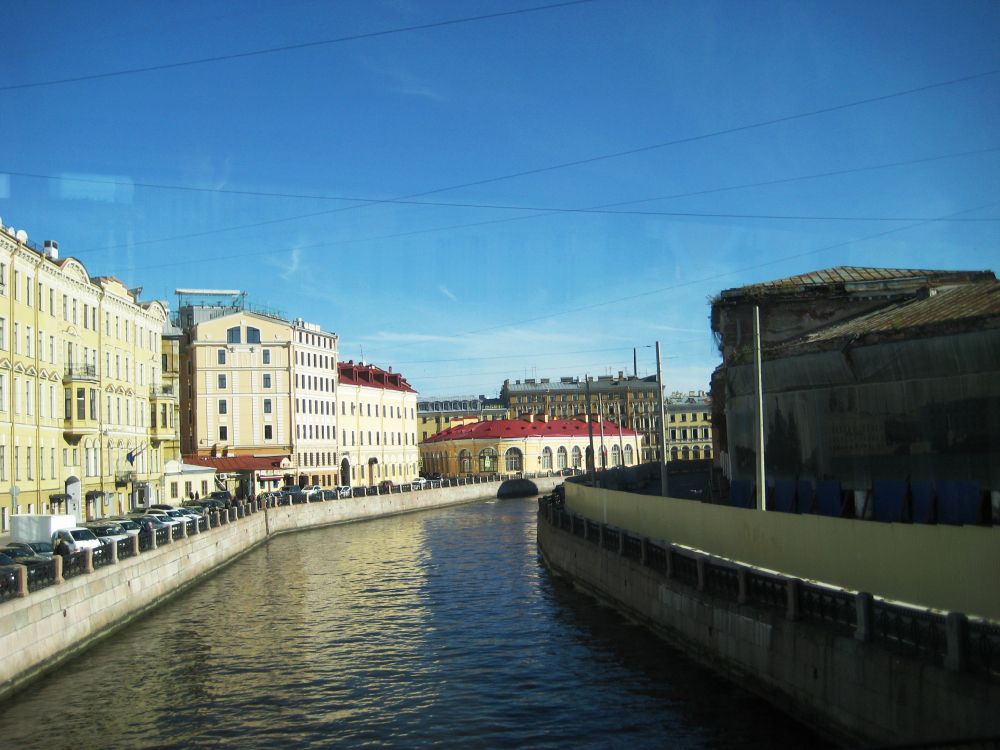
pixel 108 531
pixel 38 548
pixel 128 525
pixel 21 556
pixel 195 513
pixel 77 539
pixel 343 490
pixel 154 522
pixel 312 489
pixel 225 496
pixel 385 485
pixel 419 483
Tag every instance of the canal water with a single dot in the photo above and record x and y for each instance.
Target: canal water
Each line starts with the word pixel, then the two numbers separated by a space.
pixel 434 628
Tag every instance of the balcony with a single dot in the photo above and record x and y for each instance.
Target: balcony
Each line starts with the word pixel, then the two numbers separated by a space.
pixel 123 478
pixel 163 392
pixel 80 373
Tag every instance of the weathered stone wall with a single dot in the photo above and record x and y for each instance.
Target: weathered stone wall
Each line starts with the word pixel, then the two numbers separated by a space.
pixel 850 689
pixel 48 626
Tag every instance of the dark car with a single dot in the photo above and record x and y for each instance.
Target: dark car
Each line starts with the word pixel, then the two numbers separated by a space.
pixel 224 496
pixel 155 521
pixel 37 548
pixel 385 485
pixel 21 556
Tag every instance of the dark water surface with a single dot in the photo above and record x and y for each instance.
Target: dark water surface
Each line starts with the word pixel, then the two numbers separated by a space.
pixel 435 628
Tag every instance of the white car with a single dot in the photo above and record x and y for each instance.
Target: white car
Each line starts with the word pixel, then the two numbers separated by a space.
pixel 78 539
pixel 312 489
pixel 419 483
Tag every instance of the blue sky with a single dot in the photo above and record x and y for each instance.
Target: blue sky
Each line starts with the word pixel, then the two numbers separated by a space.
pixel 459 297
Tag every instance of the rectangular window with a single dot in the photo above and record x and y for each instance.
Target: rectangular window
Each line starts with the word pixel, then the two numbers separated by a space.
pixel 267 406
pixel 222 381
pixel 222 356
pixel 223 433
pixel 268 432
pixel 28 462
pixel 267 380
pixel 222 406
pixel 267 356
pixel 173 490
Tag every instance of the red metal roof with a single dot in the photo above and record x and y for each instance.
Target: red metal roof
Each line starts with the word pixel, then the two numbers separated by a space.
pixel 500 429
pixel 370 376
pixel 236 463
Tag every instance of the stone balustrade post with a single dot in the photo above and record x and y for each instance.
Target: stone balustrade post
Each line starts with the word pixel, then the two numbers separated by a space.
pixel 88 561
pixel 114 552
pixel 184 530
pixel 741 581
pixel 152 538
pixel 702 573
pixel 135 545
pixel 863 616
pixel 170 534
pixel 22 580
pixel 197 526
pixel 956 629
pixel 57 566
pixel 792 592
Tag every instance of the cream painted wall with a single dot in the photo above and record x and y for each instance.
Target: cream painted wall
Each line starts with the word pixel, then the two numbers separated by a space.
pixel 942 567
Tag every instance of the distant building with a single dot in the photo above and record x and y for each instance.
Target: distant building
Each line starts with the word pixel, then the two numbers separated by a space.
pixel 378 425
pixel 869 374
pixel 440 413
pixel 255 384
pixel 527 445
pixel 623 399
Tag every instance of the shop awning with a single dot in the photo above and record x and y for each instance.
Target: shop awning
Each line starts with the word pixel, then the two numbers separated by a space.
pixel 60 497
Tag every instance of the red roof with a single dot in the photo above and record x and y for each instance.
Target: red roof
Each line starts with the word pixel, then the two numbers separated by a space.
pixel 236 463
pixel 370 376
pixel 517 428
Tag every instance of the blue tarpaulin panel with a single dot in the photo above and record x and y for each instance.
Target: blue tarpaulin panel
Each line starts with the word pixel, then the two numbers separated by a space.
pixel 922 501
pixel 741 494
pixel 958 502
pixel 888 498
pixel 828 498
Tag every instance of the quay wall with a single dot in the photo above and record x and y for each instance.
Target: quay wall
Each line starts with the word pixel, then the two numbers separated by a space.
pixel 930 565
pixel 43 629
pixel 843 684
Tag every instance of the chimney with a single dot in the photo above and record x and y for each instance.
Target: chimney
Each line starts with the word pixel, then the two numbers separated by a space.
pixel 531 417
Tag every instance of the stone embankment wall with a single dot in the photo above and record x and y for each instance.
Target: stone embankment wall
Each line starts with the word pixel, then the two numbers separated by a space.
pixel 850 674
pixel 43 629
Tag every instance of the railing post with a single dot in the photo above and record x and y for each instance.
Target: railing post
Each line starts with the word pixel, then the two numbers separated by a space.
pixel 700 566
pixel 184 530
pixel 863 615
pixel 57 565
pixel 135 545
pixel 152 538
pixel 741 580
pixel 197 526
pixel 792 605
pixel 22 580
pixel 114 553
pixel 170 534
pixel 88 561
pixel 956 628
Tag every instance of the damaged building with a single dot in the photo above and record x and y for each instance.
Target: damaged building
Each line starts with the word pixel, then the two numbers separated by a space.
pixel 869 375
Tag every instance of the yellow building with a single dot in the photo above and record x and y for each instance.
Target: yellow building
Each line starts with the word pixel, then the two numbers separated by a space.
pixel 258 385
pixel 378 426
pixel 512 446
pixel 79 380
pixel 436 414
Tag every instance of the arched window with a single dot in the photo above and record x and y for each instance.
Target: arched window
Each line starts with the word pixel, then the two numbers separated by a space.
pixel 577 457
pixel 253 335
pixel 233 335
pixel 546 458
pixel 561 458
pixel 487 460
pixel 696 453
pixel 685 453
pixel 616 456
pixel 708 451
pixel 629 458
pixel 673 454
pixel 514 459
pixel 464 462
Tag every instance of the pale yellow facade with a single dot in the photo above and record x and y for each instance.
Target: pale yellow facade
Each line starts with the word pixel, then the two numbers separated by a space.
pixel 378 427
pixel 79 379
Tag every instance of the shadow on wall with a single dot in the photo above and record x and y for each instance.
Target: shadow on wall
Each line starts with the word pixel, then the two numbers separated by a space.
pixel 517 488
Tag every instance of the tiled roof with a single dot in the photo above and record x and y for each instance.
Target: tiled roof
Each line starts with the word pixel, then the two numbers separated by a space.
pixel 501 429
pixel 236 463
pixel 859 276
pixel 965 307
pixel 370 376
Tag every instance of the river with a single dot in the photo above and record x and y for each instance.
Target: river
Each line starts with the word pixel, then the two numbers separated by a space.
pixel 433 628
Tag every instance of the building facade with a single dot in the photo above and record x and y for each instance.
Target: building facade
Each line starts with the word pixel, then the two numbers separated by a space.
pixel 378 426
pixel 626 400
pixel 257 385
pixel 512 446
pixel 436 414
pixel 80 379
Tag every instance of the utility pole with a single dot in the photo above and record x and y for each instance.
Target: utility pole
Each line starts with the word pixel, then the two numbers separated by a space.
pixel 663 420
pixel 600 416
pixel 590 432
pixel 760 409
pixel 635 363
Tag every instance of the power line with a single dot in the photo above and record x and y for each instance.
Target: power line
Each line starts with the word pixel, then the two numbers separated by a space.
pixel 289 47
pixel 449 204
pixel 589 160
pixel 716 277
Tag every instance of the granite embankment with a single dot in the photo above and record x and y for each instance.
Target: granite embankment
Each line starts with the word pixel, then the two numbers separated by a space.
pixel 50 625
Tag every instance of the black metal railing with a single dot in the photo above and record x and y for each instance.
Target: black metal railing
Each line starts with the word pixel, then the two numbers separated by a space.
pixel 656 557
pixel 632 547
pixel 161 535
pixel 833 606
pixel 41 576
pixel 9 588
pixel 124 548
pixel 683 568
pixel 145 540
pixel 765 590
pixel 103 555
pixel 984 648
pixel 913 631
pixel 722 580
pixel 74 564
